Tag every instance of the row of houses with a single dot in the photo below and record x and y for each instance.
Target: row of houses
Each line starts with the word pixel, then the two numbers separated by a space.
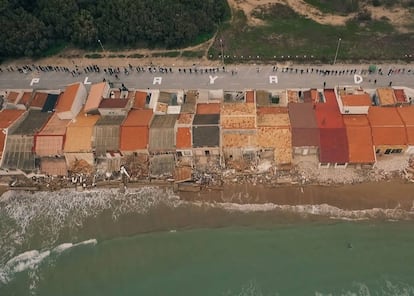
pixel 171 133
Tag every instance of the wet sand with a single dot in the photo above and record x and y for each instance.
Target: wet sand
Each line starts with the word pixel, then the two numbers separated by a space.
pixel 386 195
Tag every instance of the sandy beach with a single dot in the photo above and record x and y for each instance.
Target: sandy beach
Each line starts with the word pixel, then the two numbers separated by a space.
pixel 390 194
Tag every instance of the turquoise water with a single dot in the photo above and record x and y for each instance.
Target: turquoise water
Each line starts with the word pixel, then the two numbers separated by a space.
pixel 329 258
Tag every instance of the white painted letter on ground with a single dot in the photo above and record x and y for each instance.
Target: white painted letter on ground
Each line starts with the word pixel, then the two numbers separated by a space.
pixel 358 79
pixel 212 79
pixel 86 81
pixel 34 80
pixel 272 79
pixel 157 80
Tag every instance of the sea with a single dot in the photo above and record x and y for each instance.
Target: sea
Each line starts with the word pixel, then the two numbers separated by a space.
pixel 147 241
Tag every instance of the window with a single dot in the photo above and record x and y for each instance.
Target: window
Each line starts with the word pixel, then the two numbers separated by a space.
pixel 388 151
pixel 207 153
pixel 179 153
pixel 377 151
pixel 396 150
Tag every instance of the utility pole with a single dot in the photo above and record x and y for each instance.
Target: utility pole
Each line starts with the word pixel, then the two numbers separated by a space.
pixel 100 43
pixel 337 50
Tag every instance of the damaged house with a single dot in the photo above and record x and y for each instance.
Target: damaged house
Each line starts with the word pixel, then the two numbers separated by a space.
pixel 238 130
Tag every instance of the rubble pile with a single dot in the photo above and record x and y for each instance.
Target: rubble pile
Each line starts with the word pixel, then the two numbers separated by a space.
pixel 137 166
pixel 81 167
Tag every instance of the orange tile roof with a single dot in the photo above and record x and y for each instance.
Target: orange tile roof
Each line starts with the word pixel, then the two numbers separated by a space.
pixel 134 130
pixel 9 116
pixel 39 99
pixel 95 96
pixel 138 118
pixel 387 126
pixel 384 116
pixel 360 145
pixel 133 138
pixel 79 133
pixel 208 108
pixel 140 100
pixel 356 100
pixel 65 101
pixel 250 96
pixel 356 120
pixel 407 116
pixel 386 96
pixel 183 137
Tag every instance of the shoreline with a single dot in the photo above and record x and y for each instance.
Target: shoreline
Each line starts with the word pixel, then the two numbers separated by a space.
pixel 392 193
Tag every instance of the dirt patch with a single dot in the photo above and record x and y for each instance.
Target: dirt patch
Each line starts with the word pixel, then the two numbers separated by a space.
pixel 399 17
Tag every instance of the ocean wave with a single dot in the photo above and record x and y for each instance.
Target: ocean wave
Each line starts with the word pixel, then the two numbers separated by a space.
pixel 385 288
pixel 321 210
pixel 23 214
pixel 30 260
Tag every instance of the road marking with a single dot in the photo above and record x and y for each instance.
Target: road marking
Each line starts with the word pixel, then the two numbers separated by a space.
pixel 86 81
pixel 358 79
pixel 157 80
pixel 273 79
pixel 212 79
pixel 34 80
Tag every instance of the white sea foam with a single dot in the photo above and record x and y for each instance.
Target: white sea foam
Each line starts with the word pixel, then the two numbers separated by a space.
pixel 30 260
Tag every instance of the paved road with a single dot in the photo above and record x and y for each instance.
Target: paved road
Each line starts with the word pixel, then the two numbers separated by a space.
pixel 234 77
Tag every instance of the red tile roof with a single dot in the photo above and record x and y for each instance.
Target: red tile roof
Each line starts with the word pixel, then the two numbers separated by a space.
pixel 39 100
pixel 140 100
pixel 333 145
pixel 327 114
pixel 305 131
pixel 250 96
pixel 27 95
pixel 12 97
pixel 400 96
pixel 113 103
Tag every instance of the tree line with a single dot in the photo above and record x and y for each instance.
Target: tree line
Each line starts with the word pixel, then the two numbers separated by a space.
pixel 32 27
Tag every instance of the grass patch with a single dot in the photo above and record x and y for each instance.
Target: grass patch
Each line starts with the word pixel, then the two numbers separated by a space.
pixel 289 34
pixel 192 54
pixel 94 56
pixel 167 54
pixel 136 56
